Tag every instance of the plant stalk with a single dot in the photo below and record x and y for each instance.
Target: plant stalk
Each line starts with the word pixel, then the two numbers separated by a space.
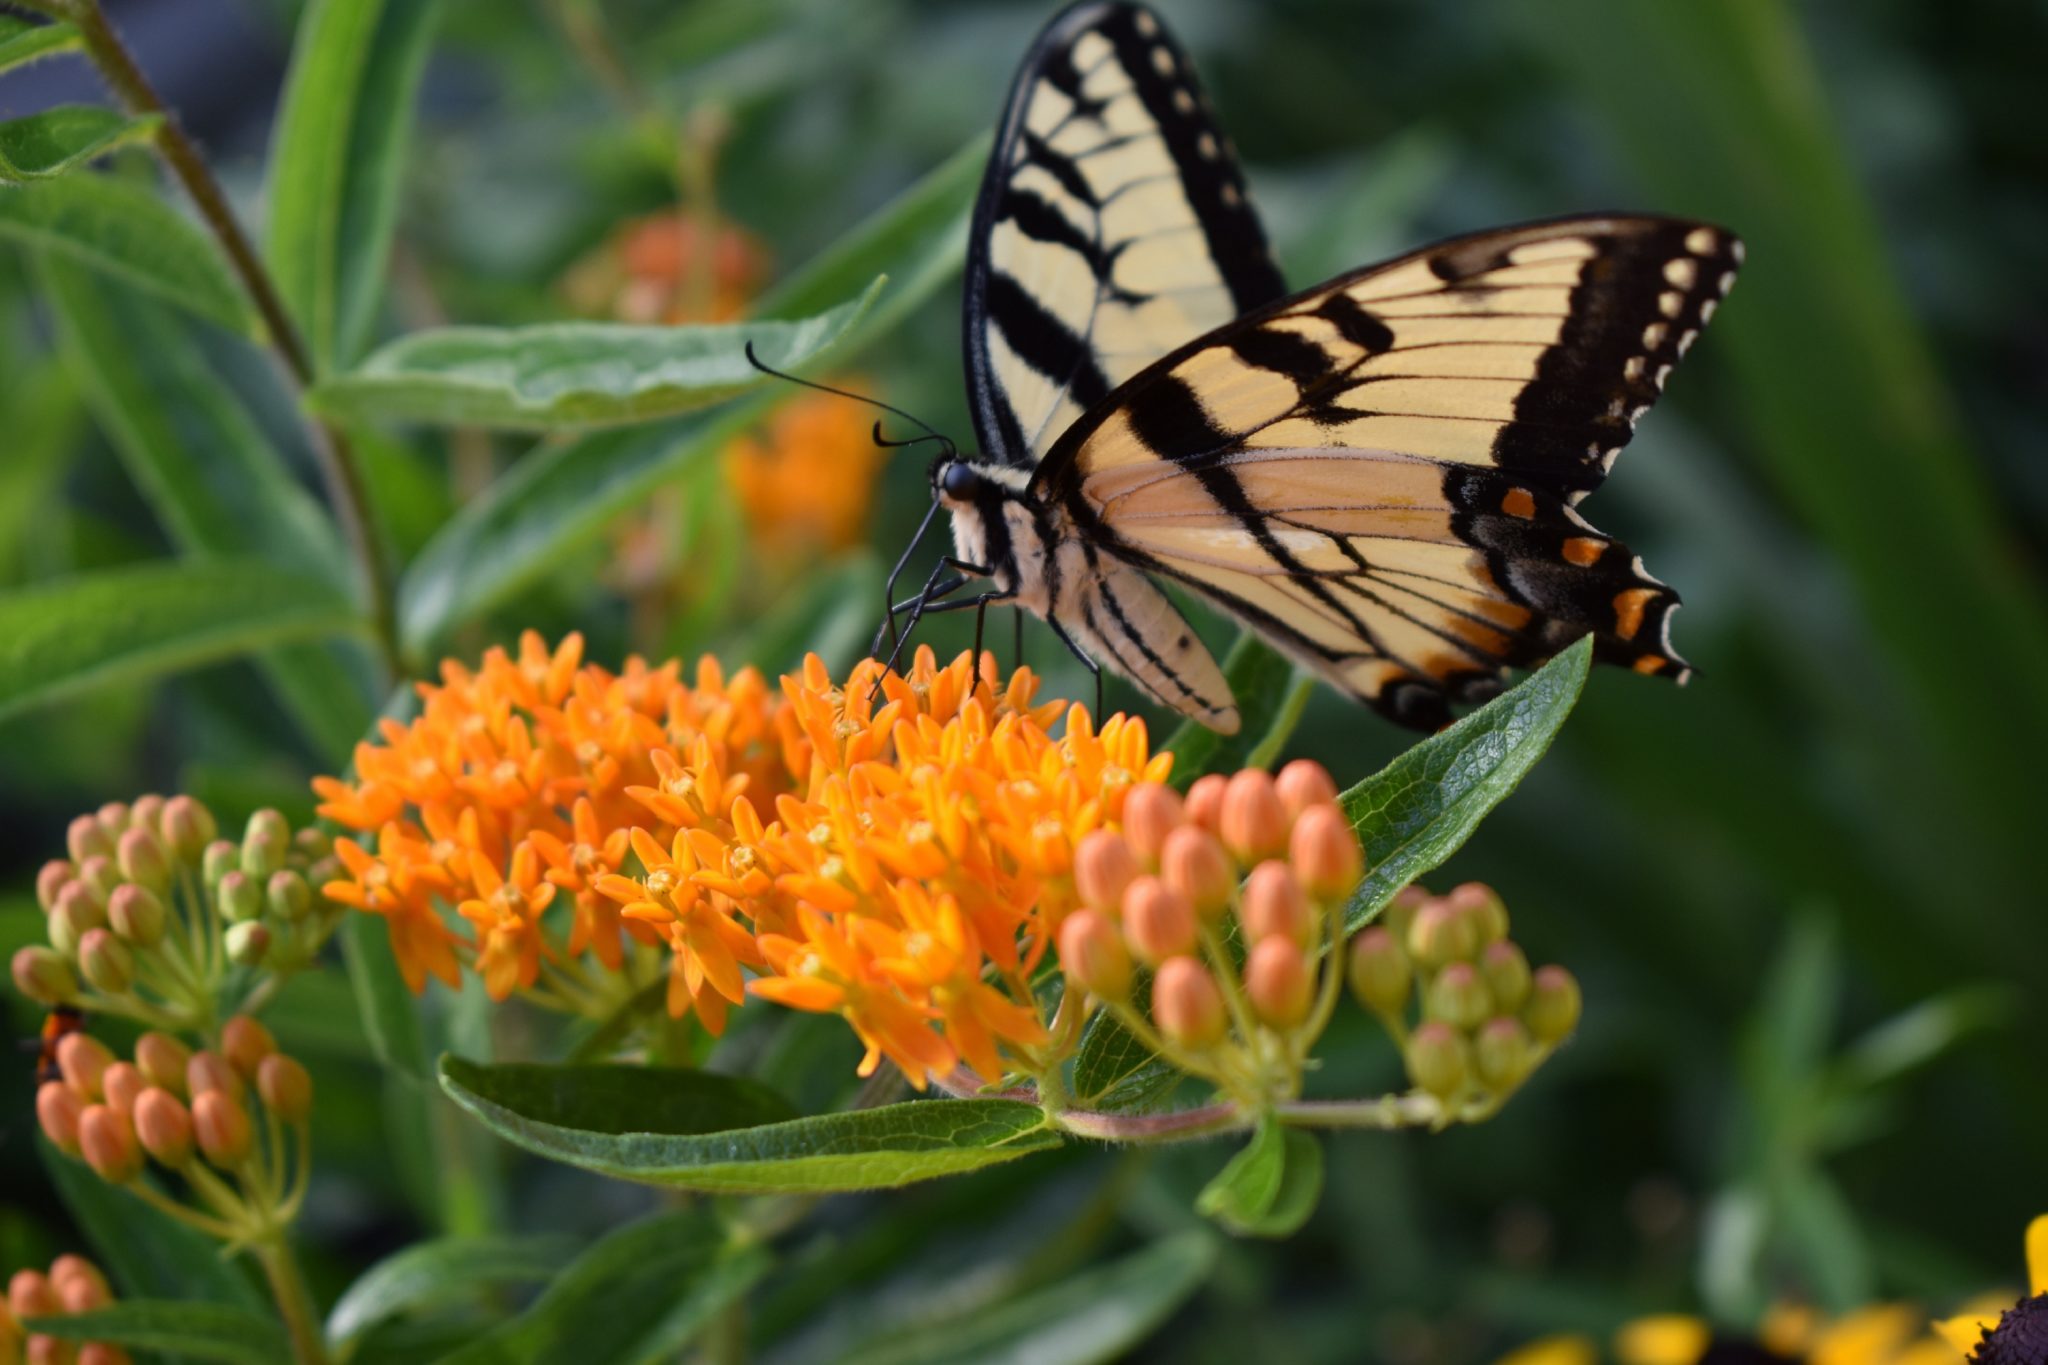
pixel 294 1301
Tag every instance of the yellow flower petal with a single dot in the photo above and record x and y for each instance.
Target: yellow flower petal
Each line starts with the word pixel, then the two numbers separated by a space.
pixel 1568 1350
pixel 1787 1329
pixel 1668 1339
pixel 1868 1336
pixel 2037 1255
pixel 1964 1332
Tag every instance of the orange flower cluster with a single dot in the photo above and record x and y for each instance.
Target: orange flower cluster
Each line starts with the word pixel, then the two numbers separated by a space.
pixel 898 851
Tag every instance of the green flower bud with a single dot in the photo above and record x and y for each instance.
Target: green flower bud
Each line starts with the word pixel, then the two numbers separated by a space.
pixel 113 818
pixel 86 838
pixel 241 900
pixel 1441 935
pixel 1553 1008
pixel 1506 974
pixel 143 859
pixel 137 915
pixel 312 843
pixel 219 859
pixel 265 843
pixel 105 962
pixel 100 873
pixel 1484 905
pixel 1502 1053
pixel 287 895
pixel 1399 916
pixel 1458 997
pixel 51 881
pixel 189 828
pixel 1439 1059
pixel 248 943
pixel 1380 974
pixel 79 911
pixel 147 813
pixel 43 975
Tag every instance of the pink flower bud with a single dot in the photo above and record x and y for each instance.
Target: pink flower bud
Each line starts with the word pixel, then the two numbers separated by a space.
pixel 219 858
pixel 106 1139
pixel 1274 905
pixel 1103 867
pixel 113 818
pixel 222 1127
pixel 1401 910
pixel 287 895
pixel 101 875
pixel 1379 971
pixel 137 915
pixel 1552 1011
pixel 1205 802
pixel 1158 920
pixel 1506 974
pixel 1277 981
pixel 31 1295
pixel 80 1291
pixel 121 1084
pixel 1194 864
pixel 265 842
pixel 83 1059
pixel 248 944
pixel 54 877
pixel 1304 783
pixel 240 897
pixel 285 1087
pixel 1253 822
pixel 245 1043
pixel 162 1060
pixel 210 1071
pixel 1151 812
pixel 1439 1059
pixel 86 838
pixel 1186 1004
pixel 1502 1054
pixel 147 813
pixel 1325 851
pixel 58 1109
pixel 105 962
pixel 142 859
pixel 188 828
pixel 1458 997
pixel 43 975
pixel 1093 954
pixel 79 911
pixel 1441 935
pixel 164 1127
pixel 101 1353
pixel 1485 908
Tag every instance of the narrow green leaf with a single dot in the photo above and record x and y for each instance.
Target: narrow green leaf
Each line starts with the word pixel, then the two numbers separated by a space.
pixel 1099 1314
pixel 864 1150
pixel 336 160
pixel 639 1295
pixel 1420 809
pixel 130 234
pixel 121 625
pixel 201 1331
pixel 57 140
pixel 601 1098
pixel 208 472
pixel 1261 679
pixel 430 1275
pixel 561 496
pixel 390 1013
pixel 573 374
pixel 148 1254
pixel 22 42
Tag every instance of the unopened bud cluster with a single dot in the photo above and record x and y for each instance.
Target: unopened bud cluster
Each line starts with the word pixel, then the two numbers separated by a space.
pixel 1456 992
pixel 71 1286
pixel 1231 897
pixel 153 910
pixel 226 1106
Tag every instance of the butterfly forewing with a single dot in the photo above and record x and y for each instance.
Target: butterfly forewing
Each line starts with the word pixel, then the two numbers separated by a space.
pixel 1380 473
pixel 1112 228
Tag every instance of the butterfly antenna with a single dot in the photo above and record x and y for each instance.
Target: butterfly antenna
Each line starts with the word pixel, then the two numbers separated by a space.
pixel 929 433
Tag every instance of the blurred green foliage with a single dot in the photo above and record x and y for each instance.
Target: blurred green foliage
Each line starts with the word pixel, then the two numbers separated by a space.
pixel 1788 888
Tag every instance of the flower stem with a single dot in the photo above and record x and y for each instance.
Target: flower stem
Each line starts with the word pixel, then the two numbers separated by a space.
pixel 294 1302
pixel 1178 1126
pixel 338 469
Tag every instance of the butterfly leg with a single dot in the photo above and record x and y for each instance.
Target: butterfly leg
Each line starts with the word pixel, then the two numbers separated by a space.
pixel 1017 641
pixel 889 588
pixel 926 601
pixel 1086 662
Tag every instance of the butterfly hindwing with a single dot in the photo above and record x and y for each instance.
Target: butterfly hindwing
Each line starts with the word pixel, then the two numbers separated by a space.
pixel 1112 228
pixel 1380 473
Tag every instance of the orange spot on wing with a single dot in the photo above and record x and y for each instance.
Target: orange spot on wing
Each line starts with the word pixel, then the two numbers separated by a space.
pixel 1584 550
pixel 1649 663
pixel 1519 503
pixel 1628 610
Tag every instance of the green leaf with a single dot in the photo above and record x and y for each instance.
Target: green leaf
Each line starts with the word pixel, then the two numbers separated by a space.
pixel 864 1150
pixel 121 625
pixel 639 1295
pixel 1099 1314
pixel 390 1012
pixel 560 497
pixel 22 42
pixel 830 612
pixel 130 234
pixel 1112 1069
pixel 1263 682
pixel 617 1099
pixel 1270 1187
pixel 573 374
pixel 1419 809
pixel 148 1254
pixel 70 135
pixel 208 472
pixel 429 1275
pixel 335 163
pixel 202 1331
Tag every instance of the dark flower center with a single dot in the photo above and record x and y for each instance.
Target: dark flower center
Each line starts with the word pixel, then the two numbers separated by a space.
pixel 2020 1338
pixel 1740 1351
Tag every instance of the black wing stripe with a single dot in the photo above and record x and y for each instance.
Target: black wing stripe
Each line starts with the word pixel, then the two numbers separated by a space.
pixel 1044 342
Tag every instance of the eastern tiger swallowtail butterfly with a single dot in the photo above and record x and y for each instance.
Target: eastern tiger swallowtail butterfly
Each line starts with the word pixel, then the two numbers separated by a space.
pixel 1380 474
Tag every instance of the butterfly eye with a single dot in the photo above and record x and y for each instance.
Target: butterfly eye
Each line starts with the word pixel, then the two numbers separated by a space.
pixel 957 481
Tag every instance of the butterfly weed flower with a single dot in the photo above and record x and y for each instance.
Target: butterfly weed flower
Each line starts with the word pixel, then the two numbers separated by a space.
pixel 71 1286
pixel 2007 1332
